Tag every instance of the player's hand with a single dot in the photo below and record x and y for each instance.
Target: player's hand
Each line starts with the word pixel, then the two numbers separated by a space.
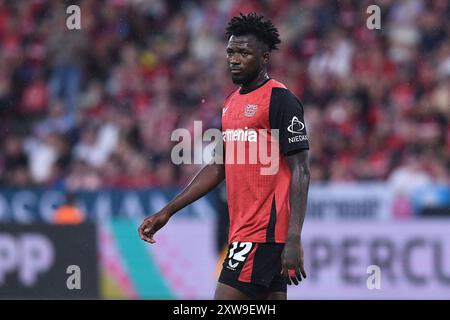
pixel 152 224
pixel 292 267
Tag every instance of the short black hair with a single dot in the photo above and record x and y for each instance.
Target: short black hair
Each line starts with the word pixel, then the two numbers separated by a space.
pixel 252 24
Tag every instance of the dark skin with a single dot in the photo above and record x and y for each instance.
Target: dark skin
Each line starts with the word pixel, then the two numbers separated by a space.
pixel 292 256
pixel 247 59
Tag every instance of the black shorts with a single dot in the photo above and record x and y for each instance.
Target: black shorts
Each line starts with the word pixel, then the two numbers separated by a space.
pixel 254 268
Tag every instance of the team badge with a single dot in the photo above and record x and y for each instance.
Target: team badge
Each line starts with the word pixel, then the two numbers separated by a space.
pixel 250 110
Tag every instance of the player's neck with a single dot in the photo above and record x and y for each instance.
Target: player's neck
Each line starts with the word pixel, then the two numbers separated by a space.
pixel 257 82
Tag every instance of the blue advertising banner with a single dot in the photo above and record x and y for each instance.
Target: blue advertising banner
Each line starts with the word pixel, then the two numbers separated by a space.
pixel 360 201
pixel 38 205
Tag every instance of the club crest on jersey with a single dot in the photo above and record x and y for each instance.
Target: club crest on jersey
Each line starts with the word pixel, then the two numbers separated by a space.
pixel 250 110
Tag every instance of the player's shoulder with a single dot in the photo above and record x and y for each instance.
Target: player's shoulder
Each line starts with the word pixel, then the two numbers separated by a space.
pixel 227 99
pixel 281 94
pixel 277 84
pixel 279 89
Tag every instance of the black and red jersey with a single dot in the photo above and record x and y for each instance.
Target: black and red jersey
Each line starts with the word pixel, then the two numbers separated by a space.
pixel 259 202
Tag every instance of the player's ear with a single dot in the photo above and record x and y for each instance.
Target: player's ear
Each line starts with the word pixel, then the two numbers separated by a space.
pixel 265 57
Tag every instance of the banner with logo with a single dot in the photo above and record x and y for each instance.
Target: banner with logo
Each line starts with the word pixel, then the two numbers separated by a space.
pixel 38 205
pixel 343 260
pixel 41 261
pixel 376 260
pixel 352 201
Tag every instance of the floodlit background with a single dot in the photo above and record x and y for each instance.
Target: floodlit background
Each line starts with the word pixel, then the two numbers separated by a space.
pixel 87 115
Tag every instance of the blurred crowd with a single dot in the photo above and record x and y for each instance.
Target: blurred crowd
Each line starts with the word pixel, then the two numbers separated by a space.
pixel 94 108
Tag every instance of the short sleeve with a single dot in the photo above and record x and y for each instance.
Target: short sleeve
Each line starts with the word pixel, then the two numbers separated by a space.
pixel 286 115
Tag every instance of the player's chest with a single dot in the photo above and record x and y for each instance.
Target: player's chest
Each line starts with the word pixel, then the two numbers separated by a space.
pixel 241 113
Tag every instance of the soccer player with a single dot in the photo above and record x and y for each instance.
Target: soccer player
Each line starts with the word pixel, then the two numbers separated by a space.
pixel 266 210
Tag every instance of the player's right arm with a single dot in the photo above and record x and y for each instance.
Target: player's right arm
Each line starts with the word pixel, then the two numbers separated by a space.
pixel 204 181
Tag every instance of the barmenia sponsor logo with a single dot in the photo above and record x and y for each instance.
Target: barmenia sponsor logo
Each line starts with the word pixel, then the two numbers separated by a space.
pixel 246 134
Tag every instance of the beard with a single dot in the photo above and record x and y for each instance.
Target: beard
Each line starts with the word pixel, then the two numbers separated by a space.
pixel 244 78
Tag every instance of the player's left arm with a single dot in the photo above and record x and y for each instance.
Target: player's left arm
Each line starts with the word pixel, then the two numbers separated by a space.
pixel 287 116
pixel 292 257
